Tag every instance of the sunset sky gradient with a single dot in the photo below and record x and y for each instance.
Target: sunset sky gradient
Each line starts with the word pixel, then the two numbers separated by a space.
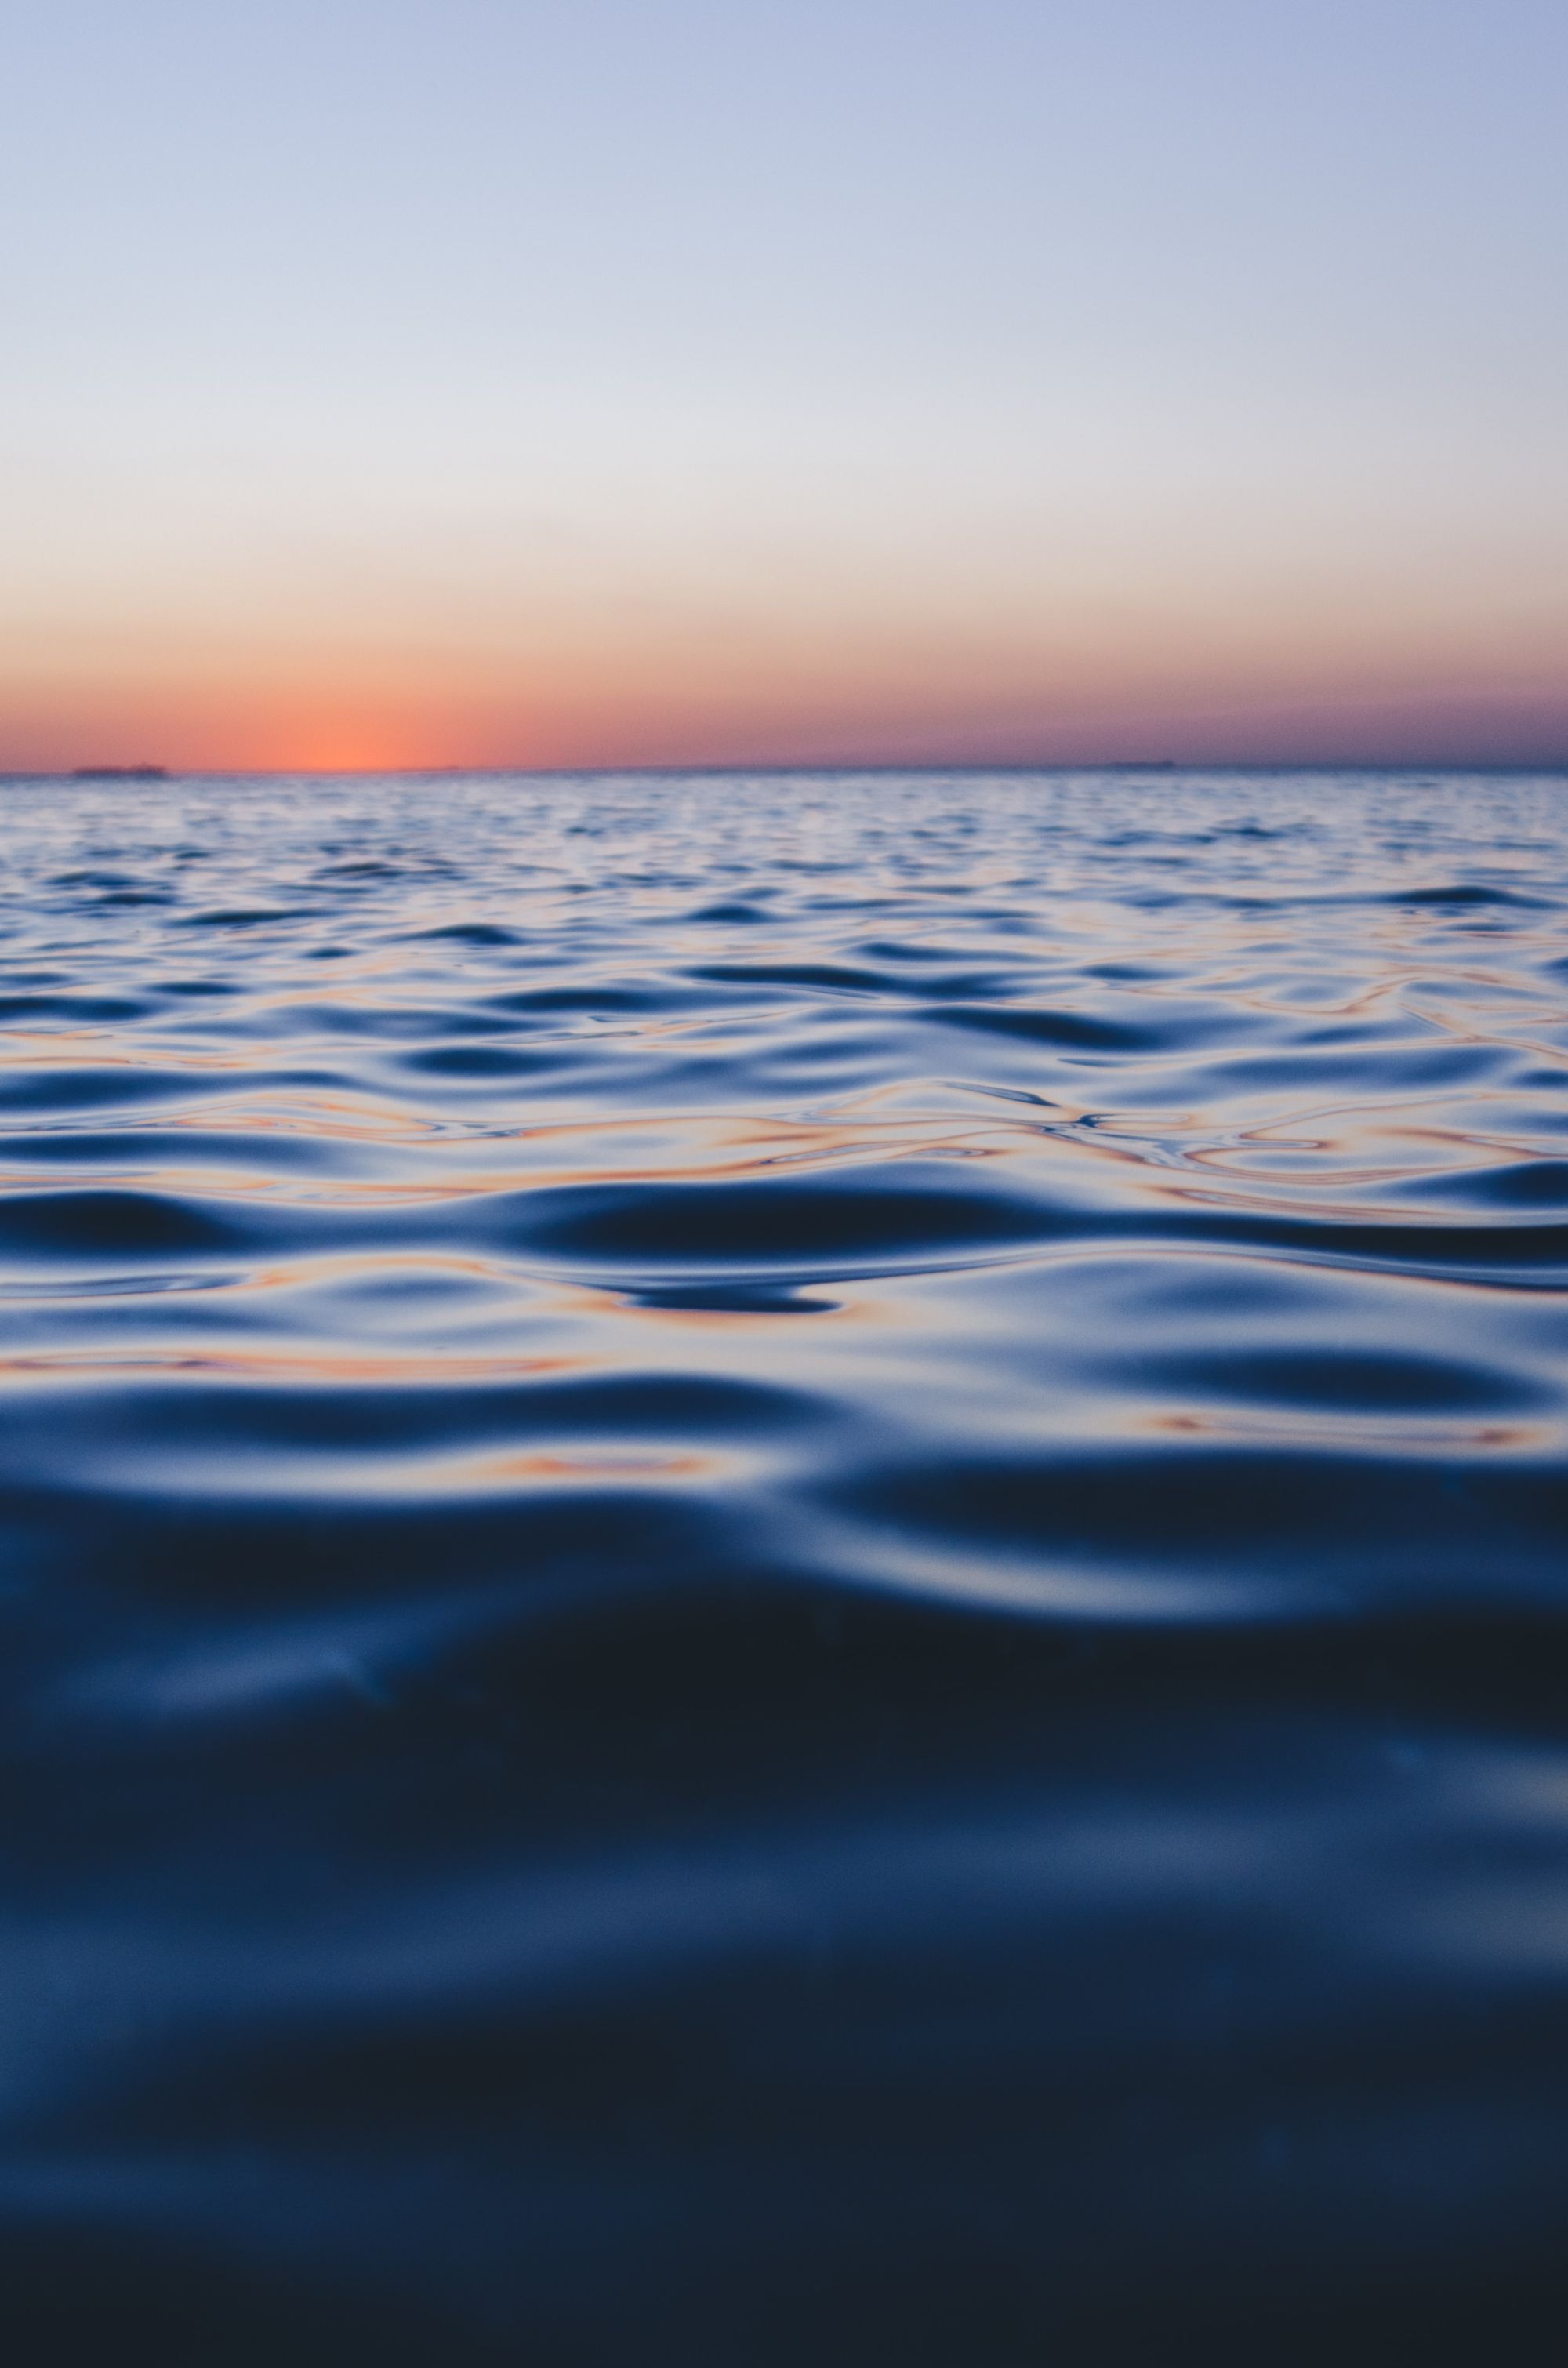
pixel 387 383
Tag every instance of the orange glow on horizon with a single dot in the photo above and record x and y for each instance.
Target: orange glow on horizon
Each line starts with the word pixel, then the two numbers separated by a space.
pixel 359 736
pixel 1009 686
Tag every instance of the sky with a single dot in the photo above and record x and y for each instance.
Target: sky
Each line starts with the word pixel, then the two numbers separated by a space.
pixel 406 383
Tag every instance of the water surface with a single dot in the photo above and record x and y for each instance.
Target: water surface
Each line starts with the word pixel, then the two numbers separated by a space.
pixel 784 1568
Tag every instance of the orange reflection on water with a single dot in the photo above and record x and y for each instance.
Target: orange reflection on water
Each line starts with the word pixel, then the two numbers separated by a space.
pixel 595 1465
pixel 352 1266
pixel 835 1302
pixel 359 1117
pixel 1358 1146
pixel 1372 1431
pixel 311 1367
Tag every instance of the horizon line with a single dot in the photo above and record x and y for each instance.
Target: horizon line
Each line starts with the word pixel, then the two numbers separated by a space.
pixel 134 774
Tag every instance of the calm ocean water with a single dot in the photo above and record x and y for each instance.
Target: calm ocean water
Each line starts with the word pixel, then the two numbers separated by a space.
pixel 784 1570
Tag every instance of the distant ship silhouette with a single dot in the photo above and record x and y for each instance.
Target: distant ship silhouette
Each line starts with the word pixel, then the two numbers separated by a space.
pixel 120 773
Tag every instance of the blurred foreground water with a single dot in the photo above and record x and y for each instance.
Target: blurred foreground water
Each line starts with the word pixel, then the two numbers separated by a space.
pixel 783 1570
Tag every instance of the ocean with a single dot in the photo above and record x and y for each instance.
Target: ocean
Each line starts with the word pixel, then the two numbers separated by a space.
pixel 784 1569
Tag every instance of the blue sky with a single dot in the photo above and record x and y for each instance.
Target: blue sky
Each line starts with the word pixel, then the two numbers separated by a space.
pixel 486 382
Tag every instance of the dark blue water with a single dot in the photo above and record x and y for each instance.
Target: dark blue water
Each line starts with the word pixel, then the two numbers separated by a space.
pixel 785 1570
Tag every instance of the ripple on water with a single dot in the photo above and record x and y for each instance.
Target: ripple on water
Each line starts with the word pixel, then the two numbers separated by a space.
pixel 784 1568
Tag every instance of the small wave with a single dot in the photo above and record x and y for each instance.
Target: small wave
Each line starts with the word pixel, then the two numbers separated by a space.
pixel 783 1568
